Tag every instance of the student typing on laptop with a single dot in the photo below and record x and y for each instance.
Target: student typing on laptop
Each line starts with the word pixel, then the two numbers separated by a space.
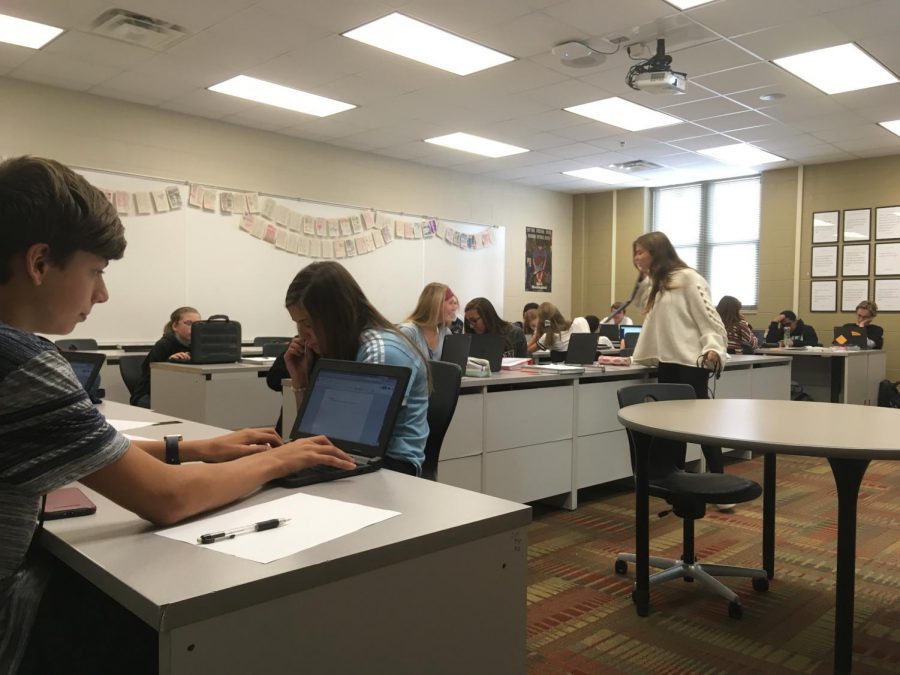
pixel 57 235
pixel 174 345
pixel 335 320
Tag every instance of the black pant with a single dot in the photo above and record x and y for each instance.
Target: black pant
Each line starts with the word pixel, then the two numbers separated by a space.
pixel 698 378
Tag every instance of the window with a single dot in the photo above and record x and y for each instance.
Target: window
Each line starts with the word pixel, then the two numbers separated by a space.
pixel 714 226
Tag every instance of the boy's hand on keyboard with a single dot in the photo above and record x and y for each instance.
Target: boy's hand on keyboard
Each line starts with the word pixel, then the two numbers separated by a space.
pixel 317 450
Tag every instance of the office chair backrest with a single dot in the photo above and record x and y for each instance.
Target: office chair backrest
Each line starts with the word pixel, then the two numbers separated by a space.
pixel 667 455
pixel 130 369
pixel 275 349
pixel 76 344
pixel 260 341
pixel 630 340
pixel 445 380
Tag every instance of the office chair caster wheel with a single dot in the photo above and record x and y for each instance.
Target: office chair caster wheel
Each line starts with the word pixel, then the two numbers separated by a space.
pixel 761 585
pixel 735 611
pixel 621 567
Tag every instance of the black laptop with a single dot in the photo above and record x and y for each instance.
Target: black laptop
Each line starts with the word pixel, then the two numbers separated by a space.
pixel 356 406
pixel 582 348
pixel 628 330
pixel 456 349
pixel 488 347
pixel 849 335
pixel 610 331
pixel 87 367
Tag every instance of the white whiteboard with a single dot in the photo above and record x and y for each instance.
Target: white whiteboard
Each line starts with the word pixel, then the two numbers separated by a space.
pixel 203 259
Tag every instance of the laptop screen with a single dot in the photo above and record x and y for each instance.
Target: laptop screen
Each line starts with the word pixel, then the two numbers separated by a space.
pixel 625 330
pixel 86 366
pixel 348 406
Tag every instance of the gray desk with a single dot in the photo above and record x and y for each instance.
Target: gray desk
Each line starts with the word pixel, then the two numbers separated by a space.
pixel 837 375
pixel 849 436
pixel 438 589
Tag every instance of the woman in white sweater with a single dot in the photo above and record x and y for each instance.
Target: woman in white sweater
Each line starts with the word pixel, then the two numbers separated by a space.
pixel 683 335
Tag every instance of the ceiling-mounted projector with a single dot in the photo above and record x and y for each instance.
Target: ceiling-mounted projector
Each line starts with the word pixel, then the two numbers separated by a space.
pixel 655 75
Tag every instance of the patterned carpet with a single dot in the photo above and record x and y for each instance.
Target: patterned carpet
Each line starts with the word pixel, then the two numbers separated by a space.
pixel 581 619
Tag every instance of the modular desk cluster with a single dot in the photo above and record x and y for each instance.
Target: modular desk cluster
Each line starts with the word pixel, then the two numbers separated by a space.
pixel 837 375
pixel 440 588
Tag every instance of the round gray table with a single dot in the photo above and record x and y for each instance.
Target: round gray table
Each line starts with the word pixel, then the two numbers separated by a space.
pixel 849 436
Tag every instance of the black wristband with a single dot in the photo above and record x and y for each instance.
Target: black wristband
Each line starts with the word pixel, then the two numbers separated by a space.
pixel 172 454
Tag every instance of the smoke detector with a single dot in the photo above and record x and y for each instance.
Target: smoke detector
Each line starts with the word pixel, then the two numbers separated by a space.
pixel 580 55
pixel 137 29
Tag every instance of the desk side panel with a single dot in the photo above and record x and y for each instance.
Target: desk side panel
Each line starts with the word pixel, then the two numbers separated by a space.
pixel 528 416
pixel 529 473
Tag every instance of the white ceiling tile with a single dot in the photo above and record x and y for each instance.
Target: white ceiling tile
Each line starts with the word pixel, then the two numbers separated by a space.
pixel 588 16
pixel 701 142
pixel 832 121
pixel 734 121
pixel 97 50
pixel 794 37
pixel 465 17
pixel 565 94
pixel 863 145
pixel 268 117
pixel 404 150
pixel 675 132
pixel 710 58
pixel 56 13
pixel 77 74
pixel 573 150
pixel 764 132
pixel 136 95
pixel 528 35
pixel 873 19
pixel 793 110
pixel 12 56
pixel 794 146
pixel 708 107
pixel 736 17
pixel 756 76
pixel 867 132
pixel 205 103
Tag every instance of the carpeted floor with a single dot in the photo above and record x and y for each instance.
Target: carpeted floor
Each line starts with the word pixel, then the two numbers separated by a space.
pixel 581 618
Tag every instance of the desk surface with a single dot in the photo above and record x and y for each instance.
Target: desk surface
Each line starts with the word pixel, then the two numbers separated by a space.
pixel 822 352
pixel 210 368
pixel 168 583
pixel 785 427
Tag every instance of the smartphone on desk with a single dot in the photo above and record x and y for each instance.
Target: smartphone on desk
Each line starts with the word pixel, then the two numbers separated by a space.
pixel 68 502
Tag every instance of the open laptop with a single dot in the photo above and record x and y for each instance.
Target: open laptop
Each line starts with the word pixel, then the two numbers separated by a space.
pixel 628 330
pixel 582 348
pixel 87 367
pixel 489 347
pixel 456 349
pixel 851 336
pixel 609 331
pixel 356 406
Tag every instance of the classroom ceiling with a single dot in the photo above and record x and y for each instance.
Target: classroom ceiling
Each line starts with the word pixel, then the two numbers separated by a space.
pixel 726 47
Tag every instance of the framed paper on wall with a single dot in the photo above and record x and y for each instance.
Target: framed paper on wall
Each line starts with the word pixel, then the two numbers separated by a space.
pixel 857 225
pixel 853 292
pixel 887 259
pixel 855 260
pixel 823 296
pixel 824 261
pixel 825 227
pixel 887 295
pixel 887 222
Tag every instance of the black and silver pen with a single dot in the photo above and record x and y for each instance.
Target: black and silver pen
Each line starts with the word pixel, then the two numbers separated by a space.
pixel 262 525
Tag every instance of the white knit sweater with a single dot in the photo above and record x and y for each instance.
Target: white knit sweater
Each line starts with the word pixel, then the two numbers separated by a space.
pixel 682 325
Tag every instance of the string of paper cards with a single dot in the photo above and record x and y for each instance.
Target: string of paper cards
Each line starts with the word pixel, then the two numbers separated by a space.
pixel 297 232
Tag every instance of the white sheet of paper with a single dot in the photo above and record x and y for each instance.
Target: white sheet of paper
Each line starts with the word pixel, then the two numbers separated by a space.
pixel 313 521
pixel 125 425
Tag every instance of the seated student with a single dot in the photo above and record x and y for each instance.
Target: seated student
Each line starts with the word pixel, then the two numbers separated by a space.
pixel 593 322
pixel 335 320
pixel 457 326
pixel 523 324
pixel 739 331
pixel 482 318
pixel 618 317
pixel 57 235
pixel 175 344
pixel 430 321
pixel 554 330
pixel 530 319
pixel 865 312
pixel 801 334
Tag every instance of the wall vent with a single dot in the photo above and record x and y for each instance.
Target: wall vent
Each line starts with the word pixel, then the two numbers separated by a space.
pixel 137 29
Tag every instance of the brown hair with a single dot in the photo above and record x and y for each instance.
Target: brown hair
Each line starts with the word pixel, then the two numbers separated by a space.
pixel 175 317
pixel 664 262
pixel 729 308
pixel 44 202
pixel 870 306
pixel 550 322
pixel 429 308
pixel 492 321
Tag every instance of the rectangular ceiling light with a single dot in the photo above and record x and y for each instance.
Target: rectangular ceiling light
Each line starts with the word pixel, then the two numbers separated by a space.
pixel 600 175
pixel 838 69
pixel 476 145
pixel 26 33
pixel 624 114
pixel 893 126
pixel 432 46
pixel 687 4
pixel 742 154
pixel 270 93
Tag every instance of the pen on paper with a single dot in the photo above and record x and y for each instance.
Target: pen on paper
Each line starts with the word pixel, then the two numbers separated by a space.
pixel 159 424
pixel 261 526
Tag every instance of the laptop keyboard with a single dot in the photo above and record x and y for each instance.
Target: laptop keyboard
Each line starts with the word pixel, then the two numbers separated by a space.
pixel 326 468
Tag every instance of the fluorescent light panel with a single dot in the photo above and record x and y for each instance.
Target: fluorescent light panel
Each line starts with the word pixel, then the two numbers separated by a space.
pixel 687 4
pixel 623 114
pixel 893 126
pixel 432 46
pixel 600 175
pixel 26 33
pixel 838 69
pixel 741 154
pixel 280 96
pixel 476 145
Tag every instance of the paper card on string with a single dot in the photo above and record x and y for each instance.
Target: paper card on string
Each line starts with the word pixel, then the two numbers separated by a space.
pixel 295 221
pixel 123 202
pixel 281 237
pixel 349 248
pixel 399 229
pixel 226 203
pixel 209 200
pixel 339 251
pixel 160 201
pixel 247 222
pixel 173 194
pixel 356 224
pixel 303 246
pixel 269 236
pixel 259 227
pixel 387 234
pixel 334 228
pixel 195 196
pixel 417 230
pixel 309 226
pixel 439 229
pixel 268 208
pixel 142 204
pixel 252 202
pixel 327 249
pixel 239 203
pixel 368 219
pixel 315 248
pixel 360 243
pixel 346 228
pixel 409 232
pixel 320 227
pixel 378 238
pixel 281 214
pixel 293 242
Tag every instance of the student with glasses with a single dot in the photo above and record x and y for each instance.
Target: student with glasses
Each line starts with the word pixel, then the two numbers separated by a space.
pixel 865 312
pixel 482 318
pixel 174 345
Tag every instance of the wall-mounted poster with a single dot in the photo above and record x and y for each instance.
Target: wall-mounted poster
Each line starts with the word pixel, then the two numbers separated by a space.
pixel 825 227
pixel 538 259
pixel 856 224
pixel 887 222
pixel 887 259
pixel 856 261
pixel 823 296
pixel 852 293
pixel 887 295
pixel 824 261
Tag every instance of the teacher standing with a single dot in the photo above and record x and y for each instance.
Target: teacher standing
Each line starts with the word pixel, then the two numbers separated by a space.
pixel 682 335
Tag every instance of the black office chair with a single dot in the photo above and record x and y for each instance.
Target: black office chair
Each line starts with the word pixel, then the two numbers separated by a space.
pixel 688 494
pixel 558 356
pixel 260 341
pixel 130 370
pixel 76 344
pixel 445 380
pixel 275 349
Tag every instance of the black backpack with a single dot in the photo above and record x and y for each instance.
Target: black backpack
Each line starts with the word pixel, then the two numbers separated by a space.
pixel 888 394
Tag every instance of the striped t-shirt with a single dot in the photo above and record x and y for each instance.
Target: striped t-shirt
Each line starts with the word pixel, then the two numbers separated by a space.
pixel 50 435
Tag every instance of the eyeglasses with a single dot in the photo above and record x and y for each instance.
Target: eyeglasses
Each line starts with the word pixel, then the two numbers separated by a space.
pixel 472 320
